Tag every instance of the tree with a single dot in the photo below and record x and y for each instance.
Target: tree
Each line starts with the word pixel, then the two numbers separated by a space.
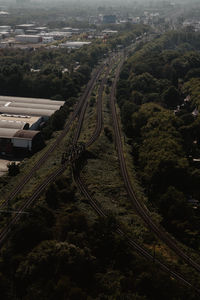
pixel 127 110
pixel 50 262
pixel 13 169
pixel 171 97
pixel 144 83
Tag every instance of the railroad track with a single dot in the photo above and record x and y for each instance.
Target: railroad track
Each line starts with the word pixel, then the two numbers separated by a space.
pixel 99 118
pixel 80 110
pixel 97 207
pixel 140 208
pixel 17 215
pixel 132 244
pixel 82 187
pixel 50 150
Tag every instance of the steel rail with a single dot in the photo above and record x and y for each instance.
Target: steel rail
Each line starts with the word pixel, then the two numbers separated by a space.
pixel 139 207
pixel 46 155
pixel 96 206
pixel 17 214
pixel 135 246
pixel 93 203
pixel 99 116
pixel 80 109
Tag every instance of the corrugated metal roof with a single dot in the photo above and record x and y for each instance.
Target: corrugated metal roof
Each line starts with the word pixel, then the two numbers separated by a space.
pixel 2 103
pixel 26 134
pixel 13 124
pixel 33 105
pixel 31 100
pixel 7 132
pixel 26 119
pixel 26 111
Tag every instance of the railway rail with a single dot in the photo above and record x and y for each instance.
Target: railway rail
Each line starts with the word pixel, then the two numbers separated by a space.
pixel 140 208
pixel 97 207
pixel 50 150
pixel 80 110
pixel 99 117
pixel 135 246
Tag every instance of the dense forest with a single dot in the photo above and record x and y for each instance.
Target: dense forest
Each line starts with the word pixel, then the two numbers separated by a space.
pixel 61 252
pixel 47 73
pixel 158 94
pixel 55 73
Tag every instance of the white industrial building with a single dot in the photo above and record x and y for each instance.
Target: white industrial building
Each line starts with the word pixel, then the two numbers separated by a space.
pixel 20 122
pixel 28 38
pixel 25 26
pixel 109 32
pixel 5 28
pixel 56 35
pixel 75 45
pixel 19 31
pixel 31 100
pixel 47 39
pixel 33 111
pixel 42 28
pixel 20 119
pixel 13 124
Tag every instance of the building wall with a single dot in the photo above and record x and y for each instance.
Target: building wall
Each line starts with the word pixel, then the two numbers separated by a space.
pixel 109 19
pixel 20 146
pixel 28 38
pixel 6 147
pixel 22 143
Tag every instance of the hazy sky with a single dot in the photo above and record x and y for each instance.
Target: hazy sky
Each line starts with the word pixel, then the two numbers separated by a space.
pixel 101 2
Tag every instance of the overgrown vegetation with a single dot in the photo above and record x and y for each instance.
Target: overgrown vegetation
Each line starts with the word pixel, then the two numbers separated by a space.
pixel 159 98
pixel 59 251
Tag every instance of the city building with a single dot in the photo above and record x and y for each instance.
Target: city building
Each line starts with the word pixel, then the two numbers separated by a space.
pixel 74 45
pixel 5 28
pixel 109 32
pixel 109 19
pixel 25 38
pixel 25 26
pixel 56 35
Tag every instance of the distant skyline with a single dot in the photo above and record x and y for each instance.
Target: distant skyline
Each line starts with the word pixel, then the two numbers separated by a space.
pixel 96 3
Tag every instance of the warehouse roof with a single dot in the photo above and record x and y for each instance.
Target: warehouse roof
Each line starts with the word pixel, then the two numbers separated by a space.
pixel 26 111
pixel 31 100
pixel 30 105
pixel 26 134
pixel 26 25
pixel 7 132
pixel 76 44
pixel 27 36
pixel 17 118
pixel 16 133
pixel 13 124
